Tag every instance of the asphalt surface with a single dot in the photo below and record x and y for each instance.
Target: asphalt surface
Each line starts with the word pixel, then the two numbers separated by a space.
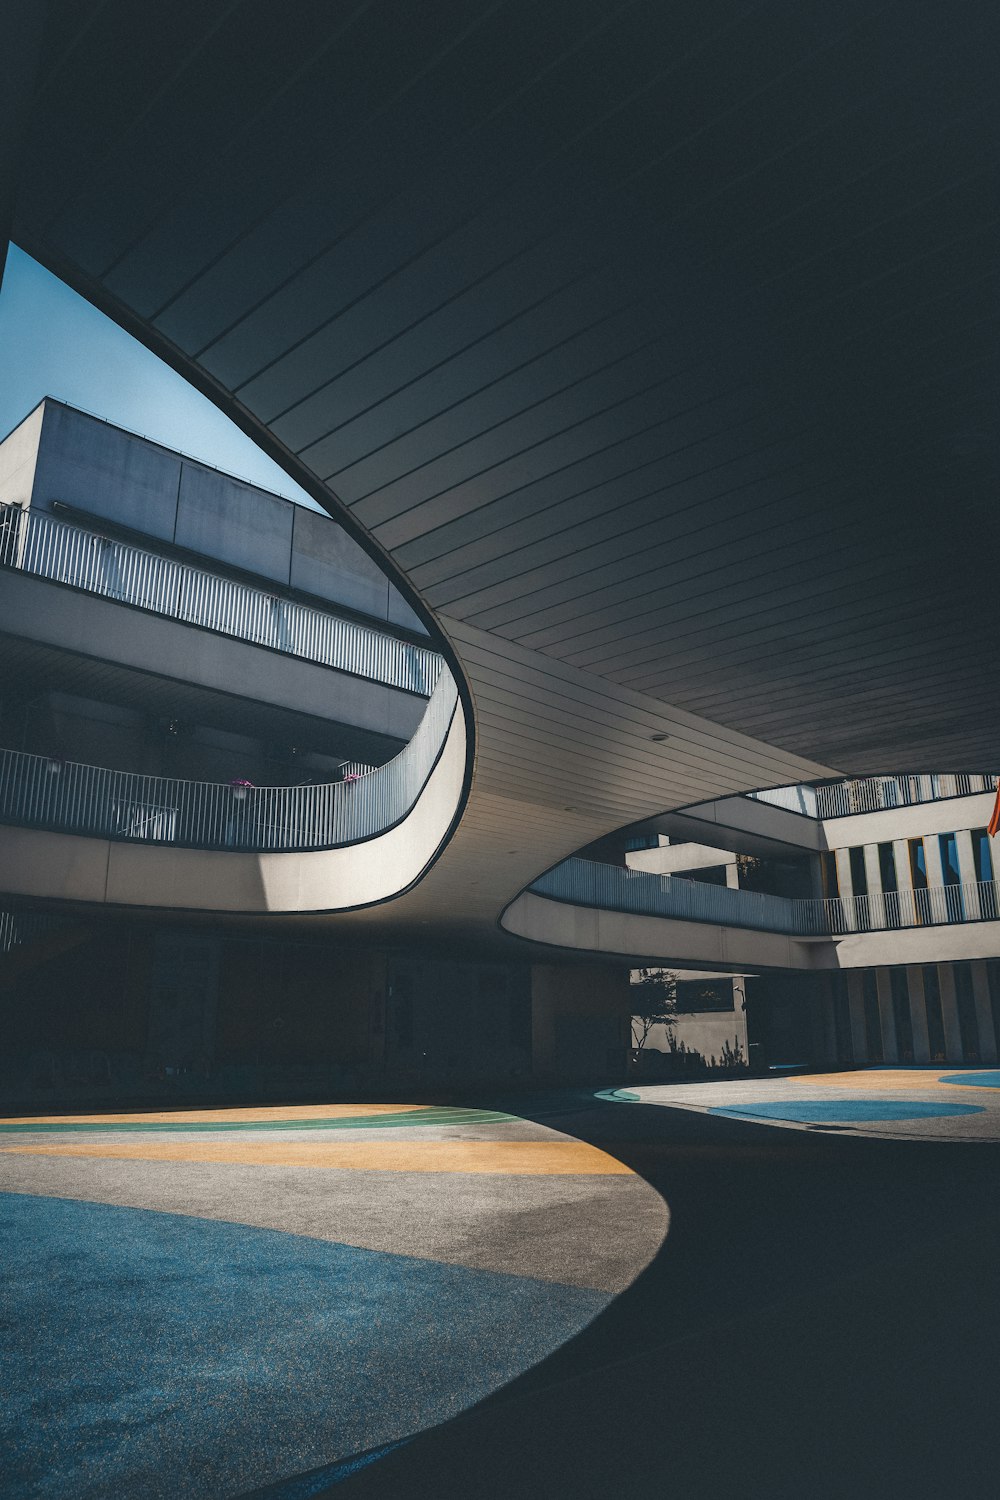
pixel 820 1320
pixel 202 1301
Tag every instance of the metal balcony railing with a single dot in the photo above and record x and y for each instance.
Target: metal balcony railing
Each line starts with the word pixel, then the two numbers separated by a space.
pixel 796 799
pixel 842 799
pixel 879 793
pixel 67 797
pixel 36 543
pixel 583 882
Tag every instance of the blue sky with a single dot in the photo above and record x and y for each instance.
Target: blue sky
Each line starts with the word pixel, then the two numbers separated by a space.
pixel 53 343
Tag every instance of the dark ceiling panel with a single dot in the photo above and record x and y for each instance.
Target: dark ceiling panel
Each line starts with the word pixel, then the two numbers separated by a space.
pixel 660 339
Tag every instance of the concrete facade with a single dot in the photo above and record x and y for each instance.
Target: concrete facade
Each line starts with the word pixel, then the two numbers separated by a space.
pixel 61 457
pixel 891 973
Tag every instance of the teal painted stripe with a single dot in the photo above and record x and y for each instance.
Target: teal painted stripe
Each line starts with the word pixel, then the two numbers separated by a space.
pixel 430 1116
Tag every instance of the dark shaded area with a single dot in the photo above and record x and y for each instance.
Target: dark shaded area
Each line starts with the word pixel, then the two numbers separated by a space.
pixel 658 339
pixel 821 1321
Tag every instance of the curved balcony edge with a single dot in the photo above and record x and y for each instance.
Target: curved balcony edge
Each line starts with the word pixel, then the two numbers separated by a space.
pixel 583 905
pixel 641 937
pixel 377 867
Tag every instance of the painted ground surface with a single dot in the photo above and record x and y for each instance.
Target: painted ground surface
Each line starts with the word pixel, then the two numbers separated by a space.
pixel 935 1103
pixel 207 1302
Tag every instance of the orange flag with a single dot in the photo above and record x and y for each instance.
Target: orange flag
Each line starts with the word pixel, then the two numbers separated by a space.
pixel 994 824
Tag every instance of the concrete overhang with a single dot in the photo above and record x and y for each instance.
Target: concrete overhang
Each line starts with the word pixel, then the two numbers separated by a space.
pixel 678 422
pixel 125 645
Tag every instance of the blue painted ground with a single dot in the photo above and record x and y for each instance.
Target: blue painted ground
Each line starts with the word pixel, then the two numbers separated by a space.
pixel 845 1111
pixel 148 1354
pixel 974 1080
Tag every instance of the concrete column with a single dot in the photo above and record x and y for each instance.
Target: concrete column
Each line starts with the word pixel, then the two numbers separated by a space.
pixel 887 1020
pixel 932 861
pixel 733 876
pixel 901 854
pixel 856 1005
pixel 968 875
pixel 918 1014
pixel 984 1011
pixel 846 887
pixel 873 874
pixel 949 1011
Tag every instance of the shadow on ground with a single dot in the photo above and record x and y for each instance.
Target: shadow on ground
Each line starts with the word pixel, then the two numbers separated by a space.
pixel 821 1321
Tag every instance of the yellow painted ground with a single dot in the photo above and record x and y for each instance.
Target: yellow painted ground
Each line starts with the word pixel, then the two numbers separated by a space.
pixel 890 1080
pixel 523 1158
pixel 223 1116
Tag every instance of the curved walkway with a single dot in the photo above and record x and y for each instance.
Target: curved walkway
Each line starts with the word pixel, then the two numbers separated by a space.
pixel 393 824
pixel 209 1301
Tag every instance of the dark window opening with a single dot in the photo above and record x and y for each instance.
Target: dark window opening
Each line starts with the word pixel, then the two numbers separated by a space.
pixel 859 875
pixel 966 1001
pixel 901 1014
pixel 828 875
pixel 873 1024
pixel 935 1015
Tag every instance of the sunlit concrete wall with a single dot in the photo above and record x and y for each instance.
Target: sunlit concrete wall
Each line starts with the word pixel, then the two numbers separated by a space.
pixel 59 454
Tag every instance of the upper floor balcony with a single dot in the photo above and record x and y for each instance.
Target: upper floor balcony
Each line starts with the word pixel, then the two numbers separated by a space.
pixel 48 793
pixel 37 544
pixel 587 883
pixel 843 799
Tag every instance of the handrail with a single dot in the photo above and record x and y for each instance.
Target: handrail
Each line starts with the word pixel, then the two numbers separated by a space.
pixel 844 799
pixel 37 791
pixel 584 882
pixel 36 543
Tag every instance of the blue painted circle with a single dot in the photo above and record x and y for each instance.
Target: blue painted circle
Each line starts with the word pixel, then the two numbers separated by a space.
pixel 975 1080
pixel 846 1111
pixel 158 1354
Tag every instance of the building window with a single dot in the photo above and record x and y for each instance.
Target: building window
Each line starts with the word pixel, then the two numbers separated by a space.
pixel 918 879
pixel 949 858
pixel 890 885
pixel 954 905
pixel 828 875
pixel 993 980
pixel 859 875
pixel 873 1025
pixel 981 857
pixel 982 861
pixel 966 1001
pixel 859 885
pixel 901 1014
pixel 935 1016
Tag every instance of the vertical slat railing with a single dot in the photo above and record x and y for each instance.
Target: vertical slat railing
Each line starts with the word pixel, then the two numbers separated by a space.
pixel 46 792
pixel 589 883
pixel 843 799
pixel 36 543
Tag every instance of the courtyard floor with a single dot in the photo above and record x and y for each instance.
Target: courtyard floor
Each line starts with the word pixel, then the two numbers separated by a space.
pixel 775 1287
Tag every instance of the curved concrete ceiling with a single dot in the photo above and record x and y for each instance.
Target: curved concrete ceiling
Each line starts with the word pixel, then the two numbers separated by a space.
pixel 650 345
